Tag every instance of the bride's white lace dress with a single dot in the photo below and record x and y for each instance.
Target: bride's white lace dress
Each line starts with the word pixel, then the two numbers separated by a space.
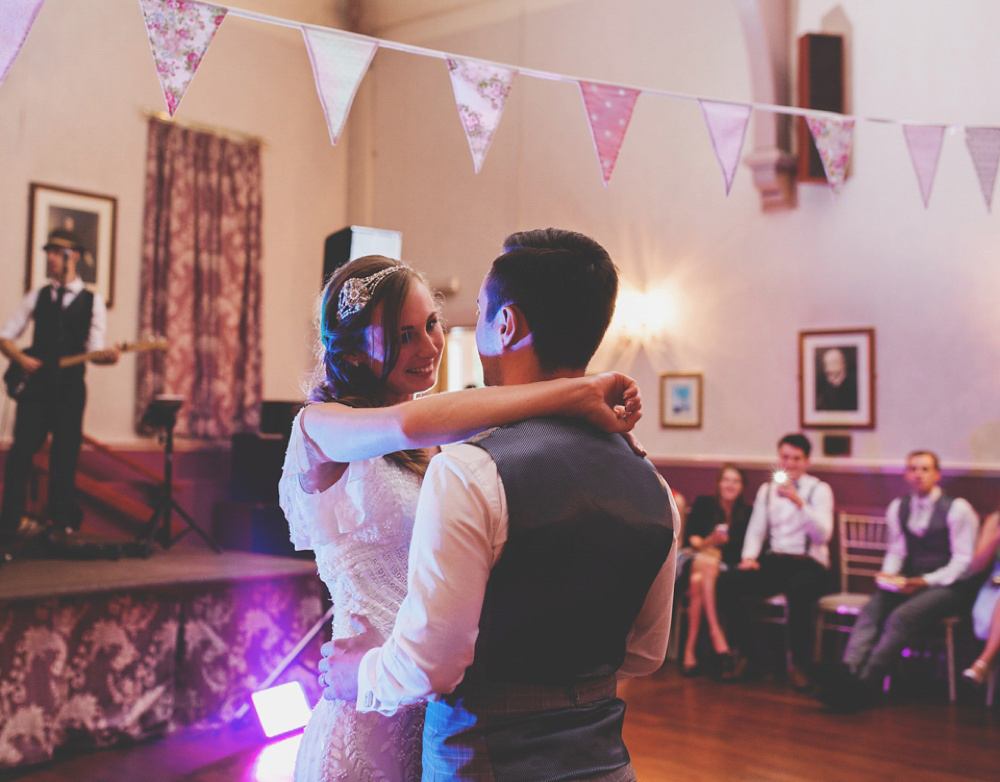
pixel 360 530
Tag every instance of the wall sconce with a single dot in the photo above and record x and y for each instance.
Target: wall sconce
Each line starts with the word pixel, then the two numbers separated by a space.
pixel 644 317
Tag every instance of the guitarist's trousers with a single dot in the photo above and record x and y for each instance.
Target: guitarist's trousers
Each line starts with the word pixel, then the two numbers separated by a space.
pixel 57 410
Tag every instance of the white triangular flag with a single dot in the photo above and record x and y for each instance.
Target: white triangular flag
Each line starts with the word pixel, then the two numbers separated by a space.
pixel 727 125
pixel 16 18
pixel 984 147
pixel 481 90
pixel 339 63
pixel 179 35
pixel 833 139
pixel 924 143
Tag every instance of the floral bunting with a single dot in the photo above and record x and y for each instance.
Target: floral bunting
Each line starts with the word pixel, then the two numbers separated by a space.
pixel 727 126
pixel 481 91
pixel 339 63
pixel 924 143
pixel 609 110
pixel 180 32
pixel 984 147
pixel 16 18
pixel 833 142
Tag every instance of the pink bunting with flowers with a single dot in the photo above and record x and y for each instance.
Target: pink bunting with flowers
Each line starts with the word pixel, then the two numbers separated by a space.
pixel 727 125
pixel 984 147
pixel 609 111
pixel 924 142
pixel 339 63
pixel 180 32
pixel 16 18
pixel 833 139
pixel 481 90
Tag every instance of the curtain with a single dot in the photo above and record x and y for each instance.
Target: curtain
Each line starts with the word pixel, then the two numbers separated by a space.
pixel 200 279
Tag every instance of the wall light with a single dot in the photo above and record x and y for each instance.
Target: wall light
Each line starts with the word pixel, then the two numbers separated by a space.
pixel 644 316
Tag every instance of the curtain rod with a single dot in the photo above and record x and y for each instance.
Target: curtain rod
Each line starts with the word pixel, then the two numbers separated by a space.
pixel 232 135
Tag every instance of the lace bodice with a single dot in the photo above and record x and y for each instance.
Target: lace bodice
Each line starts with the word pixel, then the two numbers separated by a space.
pixel 360 529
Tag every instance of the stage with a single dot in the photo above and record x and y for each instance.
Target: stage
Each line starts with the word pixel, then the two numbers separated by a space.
pixel 94 652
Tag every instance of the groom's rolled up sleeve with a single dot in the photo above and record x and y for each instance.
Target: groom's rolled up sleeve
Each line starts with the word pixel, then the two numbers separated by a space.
pixel 458 534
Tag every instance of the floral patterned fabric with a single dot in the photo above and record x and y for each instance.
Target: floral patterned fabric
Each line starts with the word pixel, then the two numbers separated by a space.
pixel 15 22
pixel 481 91
pixel 200 282
pixel 90 672
pixel 180 32
pixel 833 139
pixel 609 111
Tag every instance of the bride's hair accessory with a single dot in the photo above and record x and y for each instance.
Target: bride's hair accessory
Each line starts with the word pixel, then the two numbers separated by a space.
pixel 357 291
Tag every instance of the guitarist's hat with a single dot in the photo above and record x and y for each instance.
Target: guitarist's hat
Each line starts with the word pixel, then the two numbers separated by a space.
pixel 61 239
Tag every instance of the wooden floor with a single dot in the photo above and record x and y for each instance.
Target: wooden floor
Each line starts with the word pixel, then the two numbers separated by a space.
pixel 681 730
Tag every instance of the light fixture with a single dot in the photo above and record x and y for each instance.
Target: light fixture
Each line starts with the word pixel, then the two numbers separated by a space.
pixel 281 709
pixel 644 316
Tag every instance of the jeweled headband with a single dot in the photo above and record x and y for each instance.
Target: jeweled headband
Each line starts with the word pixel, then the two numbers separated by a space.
pixel 357 291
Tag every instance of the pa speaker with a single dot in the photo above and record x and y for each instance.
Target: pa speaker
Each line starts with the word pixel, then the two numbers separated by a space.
pixel 821 86
pixel 356 241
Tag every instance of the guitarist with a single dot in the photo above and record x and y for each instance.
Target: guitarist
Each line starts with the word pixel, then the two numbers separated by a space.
pixel 68 318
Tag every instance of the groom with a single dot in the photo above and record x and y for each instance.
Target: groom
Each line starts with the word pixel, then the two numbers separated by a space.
pixel 542 563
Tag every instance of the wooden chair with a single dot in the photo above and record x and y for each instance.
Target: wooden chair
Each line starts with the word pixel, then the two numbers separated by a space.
pixel 862 545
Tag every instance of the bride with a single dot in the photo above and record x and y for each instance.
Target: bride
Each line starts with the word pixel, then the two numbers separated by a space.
pixel 352 474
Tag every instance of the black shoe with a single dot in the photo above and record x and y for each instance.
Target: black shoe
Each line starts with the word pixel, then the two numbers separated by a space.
pixel 690 671
pixel 733 667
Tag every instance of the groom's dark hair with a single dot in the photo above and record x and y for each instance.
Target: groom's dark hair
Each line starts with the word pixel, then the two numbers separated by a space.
pixel 565 284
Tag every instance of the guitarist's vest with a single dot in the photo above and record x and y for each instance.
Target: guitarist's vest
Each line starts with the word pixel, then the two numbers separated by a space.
pixel 62 331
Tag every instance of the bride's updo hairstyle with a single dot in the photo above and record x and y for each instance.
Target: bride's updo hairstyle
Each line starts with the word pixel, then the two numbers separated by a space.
pixel 346 308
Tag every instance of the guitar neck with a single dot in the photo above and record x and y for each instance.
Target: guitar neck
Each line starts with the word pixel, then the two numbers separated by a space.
pixel 79 358
pixel 123 347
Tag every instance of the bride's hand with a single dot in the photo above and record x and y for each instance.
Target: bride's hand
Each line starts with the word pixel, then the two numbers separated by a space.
pixel 342 658
pixel 614 403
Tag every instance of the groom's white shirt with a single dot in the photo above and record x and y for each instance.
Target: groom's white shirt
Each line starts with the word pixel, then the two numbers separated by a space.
pixel 458 536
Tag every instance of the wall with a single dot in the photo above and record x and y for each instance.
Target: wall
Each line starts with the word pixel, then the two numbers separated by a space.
pixel 744 282
pixel 71 114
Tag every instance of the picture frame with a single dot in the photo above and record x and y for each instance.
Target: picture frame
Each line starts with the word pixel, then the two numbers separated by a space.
pixel 91 216
pixel 680 400
pixel 837 379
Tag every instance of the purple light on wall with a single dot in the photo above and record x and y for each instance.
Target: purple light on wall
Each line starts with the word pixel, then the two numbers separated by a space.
pixel 281 709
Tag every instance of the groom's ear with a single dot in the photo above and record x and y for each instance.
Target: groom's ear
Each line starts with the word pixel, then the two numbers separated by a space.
pixel 512 326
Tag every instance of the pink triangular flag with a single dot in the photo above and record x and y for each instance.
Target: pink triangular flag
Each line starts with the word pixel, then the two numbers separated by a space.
pixel 179 34
pixel 339 63
pixel 481 90
pixel 924 142
pixel 833 142
pixel 609 110
pixel 984 147
pixel 16 18
pixel 727 125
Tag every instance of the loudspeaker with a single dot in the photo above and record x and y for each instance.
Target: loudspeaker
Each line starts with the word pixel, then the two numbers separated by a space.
pixel 355 241
pixel 256 461
pixel 821 86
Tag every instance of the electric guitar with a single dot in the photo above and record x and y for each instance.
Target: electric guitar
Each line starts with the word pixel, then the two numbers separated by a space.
pixel 21 385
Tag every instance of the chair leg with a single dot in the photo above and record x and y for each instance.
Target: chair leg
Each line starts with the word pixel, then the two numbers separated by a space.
pixel 818 648
pixel 949 637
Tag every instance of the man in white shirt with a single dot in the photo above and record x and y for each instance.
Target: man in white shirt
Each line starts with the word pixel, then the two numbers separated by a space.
pixel 542 562
pixel 784 552
pixel 930 542
pixel 68 319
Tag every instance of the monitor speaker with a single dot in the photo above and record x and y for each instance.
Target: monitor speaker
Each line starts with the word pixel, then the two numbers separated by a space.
pixel 354 242
pixel 821 86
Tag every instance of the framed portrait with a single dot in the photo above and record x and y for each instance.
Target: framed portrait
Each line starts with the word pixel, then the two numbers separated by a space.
pixel 91 217
pixel 680 400
pixel 837 379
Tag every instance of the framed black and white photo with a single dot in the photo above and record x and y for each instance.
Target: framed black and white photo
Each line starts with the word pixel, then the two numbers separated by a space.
pixel 88 215
pixel 837 379
pixel 680 400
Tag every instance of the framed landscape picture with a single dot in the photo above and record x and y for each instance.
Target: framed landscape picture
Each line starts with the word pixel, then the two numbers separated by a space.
pixel 837 379
pixel 680 400
pixel 88 215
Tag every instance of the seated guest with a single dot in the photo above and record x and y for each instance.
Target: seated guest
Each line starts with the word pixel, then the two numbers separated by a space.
pixel 930 541
pixel 986 611
pixel 785 552
pixel 713 538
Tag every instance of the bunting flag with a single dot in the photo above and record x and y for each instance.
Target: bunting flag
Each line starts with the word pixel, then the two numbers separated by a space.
pixel 179 34
pixel 984 147
pixel 481 90
pixel 924 142
pixel 339 63
pixel 16 18
pixel 727 125
pixel 609 110
pixel 833 142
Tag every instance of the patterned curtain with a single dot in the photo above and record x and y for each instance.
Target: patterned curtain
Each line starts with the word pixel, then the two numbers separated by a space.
pixel 201 279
